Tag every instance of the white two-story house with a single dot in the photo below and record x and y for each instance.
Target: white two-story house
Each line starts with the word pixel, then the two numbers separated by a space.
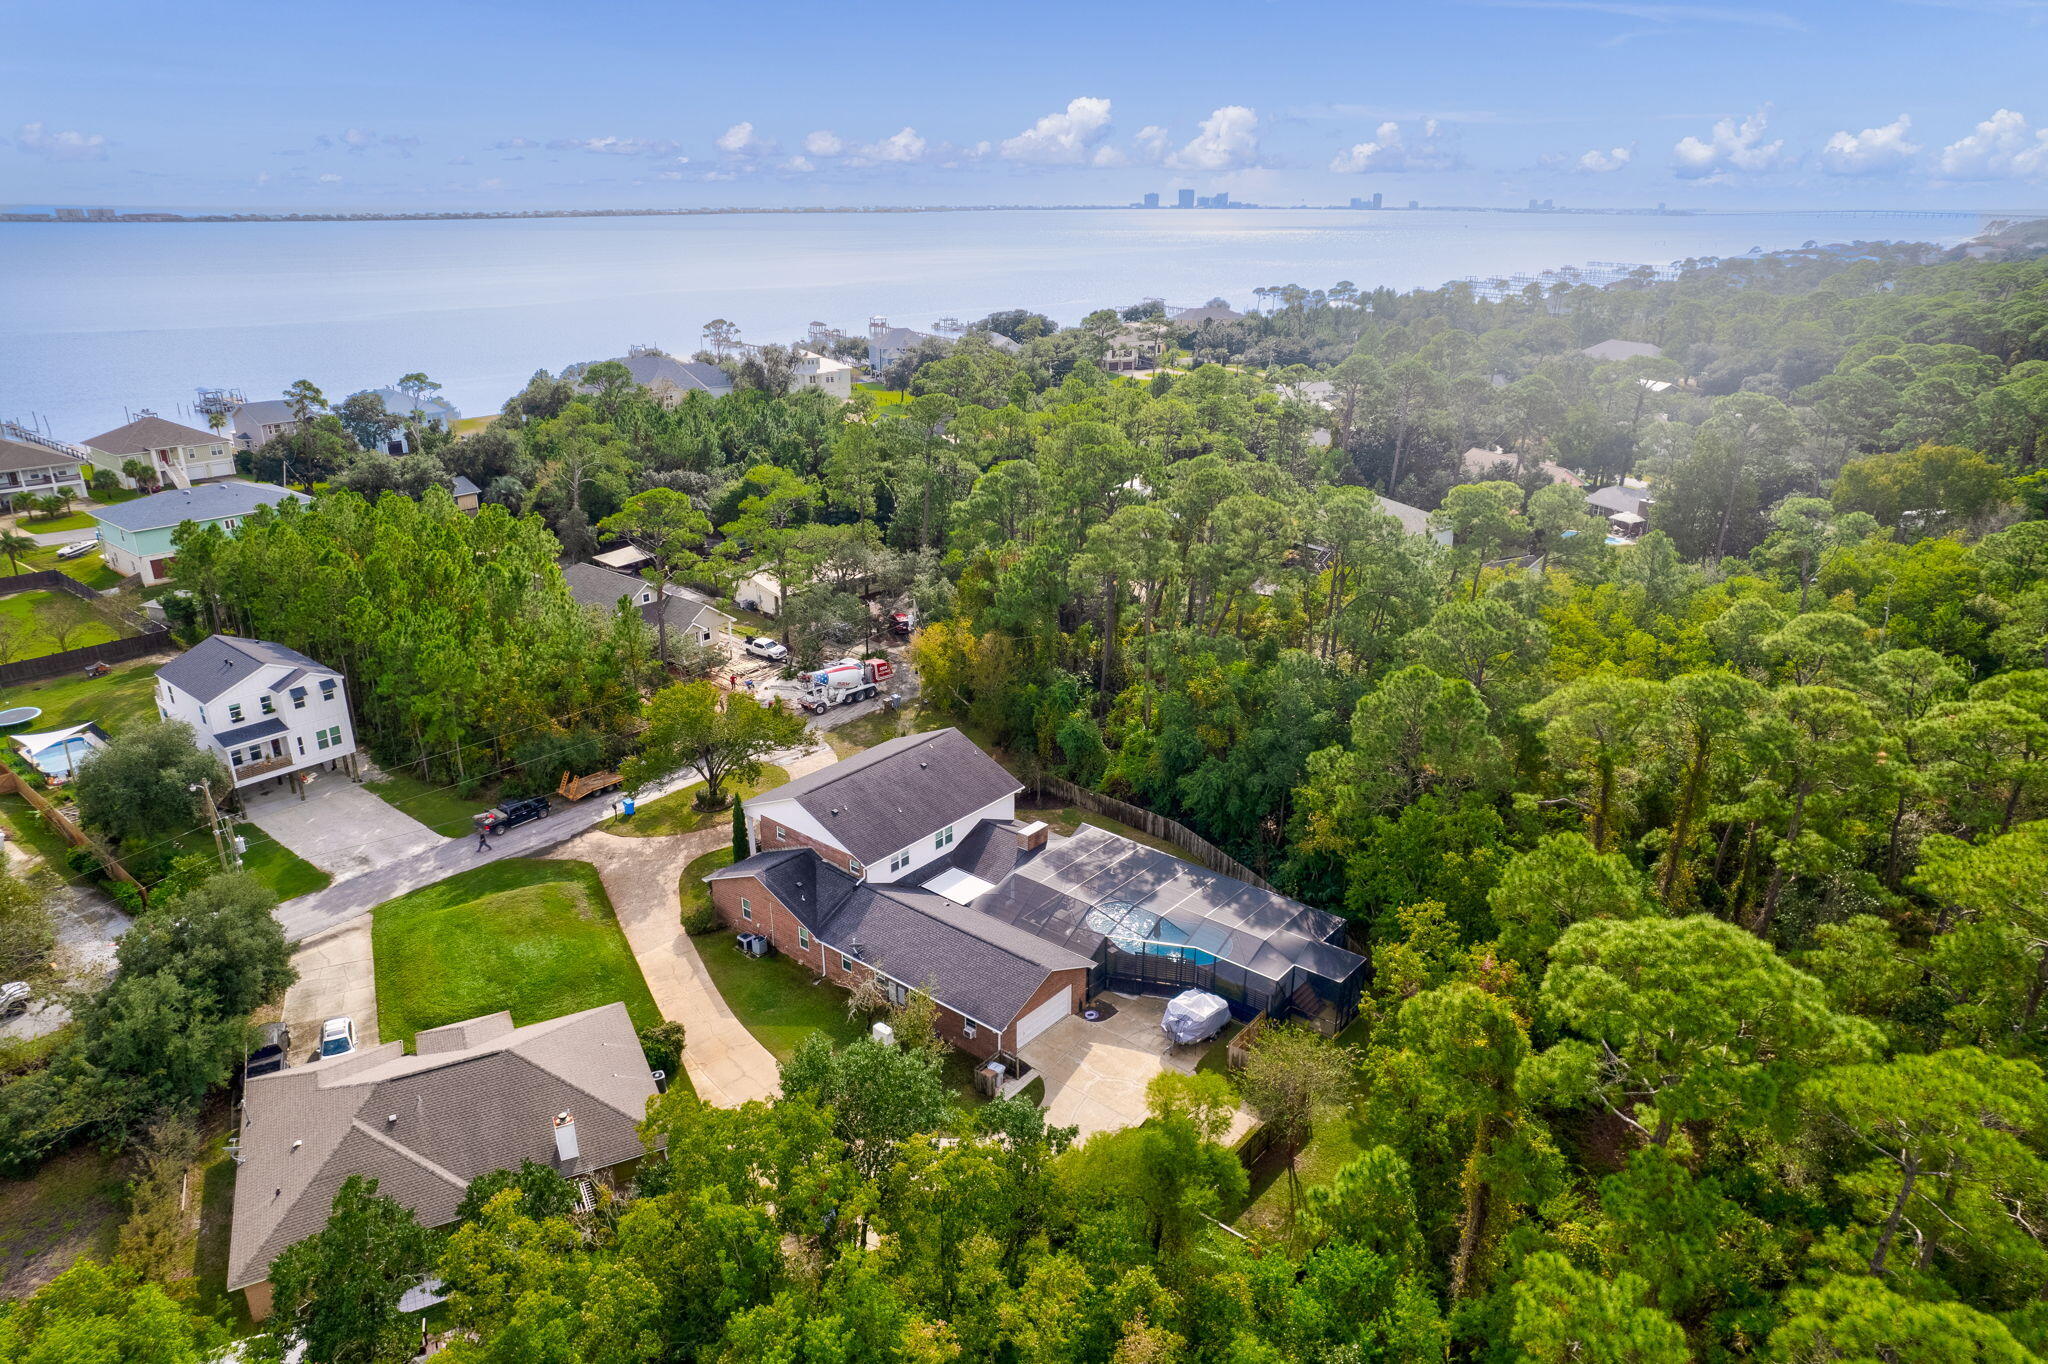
pixel 268 711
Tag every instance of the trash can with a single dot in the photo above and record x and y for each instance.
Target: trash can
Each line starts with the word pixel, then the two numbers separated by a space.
pixel 626 807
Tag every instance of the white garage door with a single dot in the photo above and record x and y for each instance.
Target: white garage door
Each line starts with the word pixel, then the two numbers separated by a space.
pixel 1043 1017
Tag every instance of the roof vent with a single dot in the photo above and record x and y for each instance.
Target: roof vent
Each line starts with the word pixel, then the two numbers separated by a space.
pixel 566 1150
pixel 922 763
pixel 297 1144
pixel 390 1119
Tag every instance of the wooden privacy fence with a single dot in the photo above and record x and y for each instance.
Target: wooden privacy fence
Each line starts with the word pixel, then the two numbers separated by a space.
pixel 10 780
pixel 1198 849
pixel 150 637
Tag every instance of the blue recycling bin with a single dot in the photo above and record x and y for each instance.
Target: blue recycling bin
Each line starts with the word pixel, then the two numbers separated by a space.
pixel 626 807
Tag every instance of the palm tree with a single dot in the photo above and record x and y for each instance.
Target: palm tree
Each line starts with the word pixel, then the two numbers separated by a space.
pixel 14 544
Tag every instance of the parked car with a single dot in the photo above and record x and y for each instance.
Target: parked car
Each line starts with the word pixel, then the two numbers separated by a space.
pixel 13 998
pixel 902 623
pixel 273 1051
pixel 78 549
pixel 510 814
pixel 337 1037
pixel 761 646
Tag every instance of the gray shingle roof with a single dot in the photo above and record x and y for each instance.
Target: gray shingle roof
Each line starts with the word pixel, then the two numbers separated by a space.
pixel 479 1096
pixel 220 662
pixel 653 368
pixel 201 502
pixel 895 793
pixel 151 433
pixel 16 455
pixel 1617 498
pixel 262 729
pixel 600 588
pixel 465 488
pixel 984 968
pixel 1414 520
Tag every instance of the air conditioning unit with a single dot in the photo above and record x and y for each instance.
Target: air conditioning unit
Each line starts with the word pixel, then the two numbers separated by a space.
pixel 753 944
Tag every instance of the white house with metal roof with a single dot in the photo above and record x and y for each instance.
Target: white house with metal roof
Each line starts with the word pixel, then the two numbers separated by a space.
pixel 266 710
pixel 135 536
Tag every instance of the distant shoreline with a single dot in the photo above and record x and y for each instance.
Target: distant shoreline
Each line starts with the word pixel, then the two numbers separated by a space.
pixel 103 216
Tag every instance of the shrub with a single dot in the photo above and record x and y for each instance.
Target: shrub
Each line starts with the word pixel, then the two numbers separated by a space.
pixel 699 920
pixel 663 1044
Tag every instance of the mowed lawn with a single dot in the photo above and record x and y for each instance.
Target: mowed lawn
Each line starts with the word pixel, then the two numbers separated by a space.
pixel 88 568
pixel 124 699
pixel 46 525
pixel 677 812
pixel 532 935
pixel 28 616
pixel 444 810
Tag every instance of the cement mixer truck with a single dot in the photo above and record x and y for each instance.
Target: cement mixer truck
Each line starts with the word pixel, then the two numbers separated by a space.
pixel 842 683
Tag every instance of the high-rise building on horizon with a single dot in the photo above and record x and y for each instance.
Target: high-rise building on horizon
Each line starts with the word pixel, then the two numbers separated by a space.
pixel 1186 199
pixel 1152 199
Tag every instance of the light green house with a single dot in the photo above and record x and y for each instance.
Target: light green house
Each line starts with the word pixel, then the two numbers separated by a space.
pixel 135 537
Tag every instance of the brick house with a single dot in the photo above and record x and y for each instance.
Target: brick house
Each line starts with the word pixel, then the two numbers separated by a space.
pixel 908 862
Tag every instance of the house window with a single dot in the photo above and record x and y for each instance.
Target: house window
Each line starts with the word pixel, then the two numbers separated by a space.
pixel 327 689
pixel 746 909
pixel 235 756
pixel 781 835
pixel 854 866
pixel 302 745
pixel 899 994
pixel 845 962
pixel 235 713
pixel 202 715
pixel 268 706
pixel 328 738
pixel 943 838
pixel 803 937
pixel 899 861
pixel 298 695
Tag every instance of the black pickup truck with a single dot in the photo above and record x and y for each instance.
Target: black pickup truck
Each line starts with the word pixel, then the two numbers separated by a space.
pixel 512 813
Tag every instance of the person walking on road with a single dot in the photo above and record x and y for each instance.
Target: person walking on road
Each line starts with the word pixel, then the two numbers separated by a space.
pixel 483 842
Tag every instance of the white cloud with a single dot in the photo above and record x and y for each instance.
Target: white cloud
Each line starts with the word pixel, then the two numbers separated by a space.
pixel 515 144
pixel 799 164
pixel 825 143
pixel 742 140
pixel 1870 151
pixel 1731 146
pixel 330 178
pixel 1598 162
pixel 898 147
pixel 1153 143
pixel 1394 148
pixel 2002 147
pixel 70 145
pixel 1229 140
pixel 1068 138
pixel 613 146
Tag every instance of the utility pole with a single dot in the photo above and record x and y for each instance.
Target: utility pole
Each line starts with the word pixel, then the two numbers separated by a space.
pixel 220 847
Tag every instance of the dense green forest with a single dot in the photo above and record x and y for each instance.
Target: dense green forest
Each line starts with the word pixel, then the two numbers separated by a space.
pixel 1705 878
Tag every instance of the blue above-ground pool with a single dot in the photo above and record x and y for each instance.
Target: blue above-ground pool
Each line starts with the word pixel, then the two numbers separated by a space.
pixel 61 759
pixel 18 715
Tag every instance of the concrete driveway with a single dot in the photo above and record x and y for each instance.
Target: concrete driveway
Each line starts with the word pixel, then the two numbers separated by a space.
pixel 1095 1073
pixel 340 827
pixel 337 975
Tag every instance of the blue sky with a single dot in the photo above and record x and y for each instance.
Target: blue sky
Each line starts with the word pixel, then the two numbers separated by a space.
pixel 1884 103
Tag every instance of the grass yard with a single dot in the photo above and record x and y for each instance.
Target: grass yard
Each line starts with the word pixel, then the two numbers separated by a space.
pixel 89 569
pixel 531 935
pixel 1067 818
pixel 115 496
pixel 445 811
pixel 28 828
pixel 70 1207
pixel 469 426
pixel 123 699
pixel 278 867
pixel 27 614
pixel 694 894
pixel 780 1004
pixel 884 397
pixel 677 812
pixel 45 525
pixel 1334 1145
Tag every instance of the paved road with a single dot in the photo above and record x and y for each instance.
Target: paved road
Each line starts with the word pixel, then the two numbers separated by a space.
pixel 346 898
